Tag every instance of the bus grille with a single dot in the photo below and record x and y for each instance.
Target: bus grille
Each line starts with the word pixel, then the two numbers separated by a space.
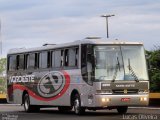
pixel 125 91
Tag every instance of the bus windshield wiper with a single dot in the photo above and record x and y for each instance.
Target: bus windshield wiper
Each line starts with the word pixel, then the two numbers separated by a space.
pixel 132 71
pixel 117 68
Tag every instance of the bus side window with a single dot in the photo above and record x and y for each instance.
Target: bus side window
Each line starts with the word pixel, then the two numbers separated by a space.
pixel 66 58
pixel 77 57
pixel 57 58
pixel 20 62
pixel 43 61
pixel 37 60
pixel 17 61
pixel 12 63
pixel 62 59
pixel 53 59
pixel 31 61
pixel 48 59
pixel 73 57
pixel 26 61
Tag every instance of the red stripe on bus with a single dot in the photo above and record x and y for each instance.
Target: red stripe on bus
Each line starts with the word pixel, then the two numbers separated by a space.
pixel 31 93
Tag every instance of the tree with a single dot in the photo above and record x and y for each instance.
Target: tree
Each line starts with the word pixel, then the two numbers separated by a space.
pixel 2 79
pixel 154 71
pixel 2 65
pixel 155 59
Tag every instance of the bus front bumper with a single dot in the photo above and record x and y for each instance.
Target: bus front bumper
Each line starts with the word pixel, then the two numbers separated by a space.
pixel 121 100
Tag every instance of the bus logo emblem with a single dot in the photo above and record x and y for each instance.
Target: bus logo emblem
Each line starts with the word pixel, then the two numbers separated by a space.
pixel 51 84
pixel 125 91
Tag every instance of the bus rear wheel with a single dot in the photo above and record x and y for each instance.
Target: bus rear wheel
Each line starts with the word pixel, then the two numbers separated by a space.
pixel 78 109
pixel 27 106
pixel 122 109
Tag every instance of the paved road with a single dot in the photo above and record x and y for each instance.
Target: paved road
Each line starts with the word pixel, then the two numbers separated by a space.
pixel 16 112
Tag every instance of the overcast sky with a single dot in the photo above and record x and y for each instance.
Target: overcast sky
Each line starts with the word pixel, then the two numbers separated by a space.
pixel 31 23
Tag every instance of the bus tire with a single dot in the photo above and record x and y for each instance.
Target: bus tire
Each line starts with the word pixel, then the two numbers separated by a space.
pixel 122 109
pixel 27 106
pixel 78 109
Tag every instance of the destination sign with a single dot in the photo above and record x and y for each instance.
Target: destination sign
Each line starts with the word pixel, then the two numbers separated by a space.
pixel 125 85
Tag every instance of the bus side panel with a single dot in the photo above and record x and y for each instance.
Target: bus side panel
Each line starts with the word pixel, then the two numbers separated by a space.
pixel 63 98
pixel 9 90
pixel 86 95
pixel 76 83
pixel 51 87
pixel 17 96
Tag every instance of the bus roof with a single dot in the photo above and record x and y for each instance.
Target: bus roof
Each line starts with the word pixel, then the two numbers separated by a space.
pixel 75 43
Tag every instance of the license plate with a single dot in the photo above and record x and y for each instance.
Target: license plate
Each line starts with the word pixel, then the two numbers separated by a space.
pixel 125 99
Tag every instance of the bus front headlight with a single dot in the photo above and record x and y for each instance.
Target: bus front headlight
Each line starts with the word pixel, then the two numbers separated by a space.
pixel 143 99
pixel 106 99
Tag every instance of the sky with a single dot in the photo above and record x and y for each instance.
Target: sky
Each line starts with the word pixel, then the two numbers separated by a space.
pixel 31 23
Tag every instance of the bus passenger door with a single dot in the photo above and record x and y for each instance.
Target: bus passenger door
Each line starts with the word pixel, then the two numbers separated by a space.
pixel 87 70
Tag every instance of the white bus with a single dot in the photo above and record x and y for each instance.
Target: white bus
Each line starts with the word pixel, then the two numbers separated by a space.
pixel 88 74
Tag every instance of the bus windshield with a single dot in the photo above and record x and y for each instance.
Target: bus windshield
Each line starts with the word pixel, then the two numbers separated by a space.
pixel 120 63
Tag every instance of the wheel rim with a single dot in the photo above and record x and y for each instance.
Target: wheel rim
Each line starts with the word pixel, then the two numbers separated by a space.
pixel 76 106
pixel 26 103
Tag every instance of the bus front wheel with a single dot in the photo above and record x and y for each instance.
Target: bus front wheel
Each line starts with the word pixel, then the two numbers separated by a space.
pixel 26 104
pixel 122 109
pixel 78 109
